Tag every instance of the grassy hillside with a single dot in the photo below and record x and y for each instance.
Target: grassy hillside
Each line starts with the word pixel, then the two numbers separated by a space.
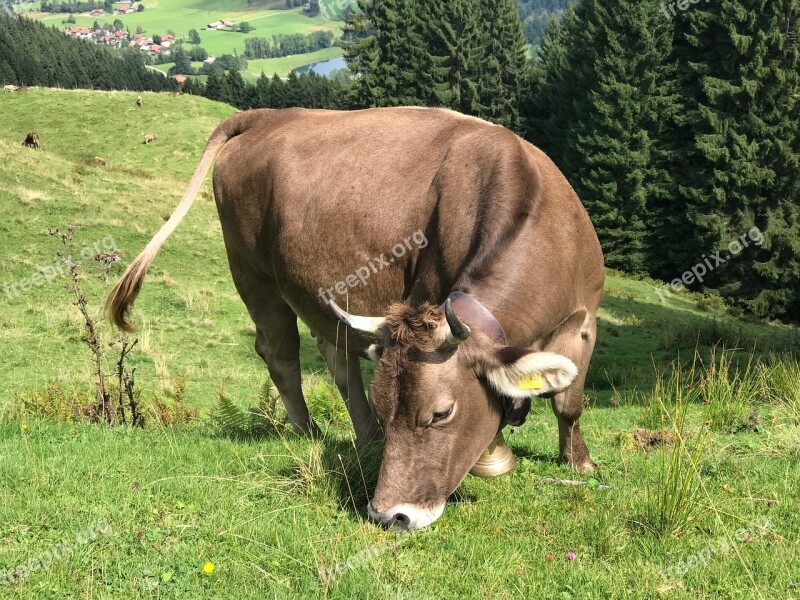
pixel 180 17
pixel 270 512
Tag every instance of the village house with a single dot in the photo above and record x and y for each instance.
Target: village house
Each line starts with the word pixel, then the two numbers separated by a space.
pixel 221 24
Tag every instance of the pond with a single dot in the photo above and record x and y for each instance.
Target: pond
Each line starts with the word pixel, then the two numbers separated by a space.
pixel 323 67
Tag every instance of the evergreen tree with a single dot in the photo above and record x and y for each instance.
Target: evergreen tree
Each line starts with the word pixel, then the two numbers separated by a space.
pixel 737 64
pixel 463 54
pixel 604 88
pixel 360 44
pixel 33 54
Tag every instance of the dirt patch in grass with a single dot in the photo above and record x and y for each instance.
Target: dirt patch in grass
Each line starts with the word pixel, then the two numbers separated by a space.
pixel 645 438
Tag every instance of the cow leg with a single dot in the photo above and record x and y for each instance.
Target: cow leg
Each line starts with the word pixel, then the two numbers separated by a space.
pixel 346 371
pixel 277 340
pixel 568 405
pixel 278 343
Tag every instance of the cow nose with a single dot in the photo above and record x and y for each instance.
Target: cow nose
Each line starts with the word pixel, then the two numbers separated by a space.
pixel 401 522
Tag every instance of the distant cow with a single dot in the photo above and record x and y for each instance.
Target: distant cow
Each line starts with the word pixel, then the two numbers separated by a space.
pixel 10 88
pixel 22 88
pixel 31 140
pixel 150 137
pixel 139 101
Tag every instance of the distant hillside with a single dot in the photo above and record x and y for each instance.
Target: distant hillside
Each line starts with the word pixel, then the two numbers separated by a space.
pixel 536 14
pixel 33 54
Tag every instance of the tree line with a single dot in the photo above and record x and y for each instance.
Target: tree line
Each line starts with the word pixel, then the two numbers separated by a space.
pixel 287 44
pixel 34 54
pixel 679 131
pixel 307 90
pixel 75 6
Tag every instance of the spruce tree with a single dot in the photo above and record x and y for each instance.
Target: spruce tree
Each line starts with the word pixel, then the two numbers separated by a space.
pixel 603 87
pixel 499 63
pixel 737 64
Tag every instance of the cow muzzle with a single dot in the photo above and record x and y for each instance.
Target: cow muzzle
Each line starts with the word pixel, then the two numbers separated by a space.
pixel 405 517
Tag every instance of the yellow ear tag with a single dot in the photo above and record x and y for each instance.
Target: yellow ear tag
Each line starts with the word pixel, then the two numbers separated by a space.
pixel 533 381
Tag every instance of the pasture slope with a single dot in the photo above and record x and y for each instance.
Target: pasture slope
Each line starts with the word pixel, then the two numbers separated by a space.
pixel 269 512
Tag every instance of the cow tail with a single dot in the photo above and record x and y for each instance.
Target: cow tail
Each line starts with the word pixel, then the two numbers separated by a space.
pixel 127 288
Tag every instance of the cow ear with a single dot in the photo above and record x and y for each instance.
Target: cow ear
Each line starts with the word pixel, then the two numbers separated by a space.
pixel 521 374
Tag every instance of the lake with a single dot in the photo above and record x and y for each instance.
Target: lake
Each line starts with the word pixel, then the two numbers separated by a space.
pixel 323 67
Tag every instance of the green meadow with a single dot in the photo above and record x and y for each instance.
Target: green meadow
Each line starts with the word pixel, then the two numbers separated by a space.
pixel 180 16
pixel 692 414
pixel 282 66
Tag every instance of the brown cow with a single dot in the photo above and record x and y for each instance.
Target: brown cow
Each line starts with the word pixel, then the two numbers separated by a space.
pixel 498 303
pixel 150 137
pixel 31 140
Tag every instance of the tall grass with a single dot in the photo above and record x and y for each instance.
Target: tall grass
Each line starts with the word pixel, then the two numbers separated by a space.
pixel 782 386
pixel 673 484
pixel 730 391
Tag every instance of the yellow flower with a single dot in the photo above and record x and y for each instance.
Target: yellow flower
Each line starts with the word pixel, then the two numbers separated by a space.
pixel 208 568
pixel 24 426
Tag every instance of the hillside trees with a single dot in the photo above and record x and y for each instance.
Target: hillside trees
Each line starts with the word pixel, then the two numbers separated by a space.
pixel 33 54
pixel 602 88
pixel 287 44
pixel 737 128
pixel 308 90
pixel 680 136
pixel 460 54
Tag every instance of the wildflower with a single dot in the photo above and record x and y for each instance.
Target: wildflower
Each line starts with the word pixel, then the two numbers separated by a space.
pixel 208 568
pixel 24 426
pixel 570 555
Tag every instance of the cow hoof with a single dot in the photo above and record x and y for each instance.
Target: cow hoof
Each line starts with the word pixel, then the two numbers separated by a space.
pixel 584 466
pixel 496 460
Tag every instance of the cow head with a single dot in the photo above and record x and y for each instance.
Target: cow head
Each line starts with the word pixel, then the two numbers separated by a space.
pixel 445 383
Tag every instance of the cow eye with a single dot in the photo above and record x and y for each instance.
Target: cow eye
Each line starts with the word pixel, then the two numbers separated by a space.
pixel 442 414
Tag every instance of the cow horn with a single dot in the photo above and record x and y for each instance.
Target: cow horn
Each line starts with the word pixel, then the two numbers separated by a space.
pixel 366 324
pixel 458 331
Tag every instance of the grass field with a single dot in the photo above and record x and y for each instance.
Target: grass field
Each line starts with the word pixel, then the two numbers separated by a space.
pixel 282 66
pixel 166 503
pixel 180 17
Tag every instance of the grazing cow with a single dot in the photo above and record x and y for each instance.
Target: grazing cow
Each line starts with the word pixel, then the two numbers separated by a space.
pixel 139 101
pixel 31 140
pixel 22 88
pixel 10 88
pixel 493 302
pixel 150 137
